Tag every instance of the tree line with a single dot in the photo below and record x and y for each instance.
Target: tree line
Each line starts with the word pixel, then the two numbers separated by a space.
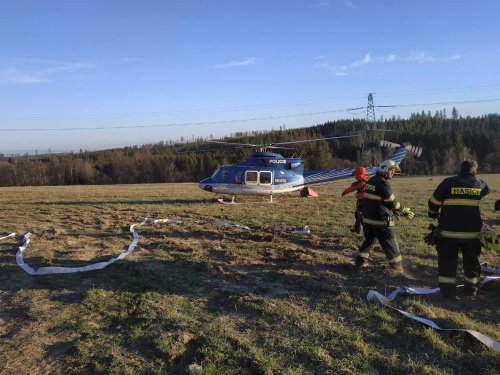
pixel 445 141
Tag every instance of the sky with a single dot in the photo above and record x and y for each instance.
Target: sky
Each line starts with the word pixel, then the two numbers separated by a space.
pixel 99 74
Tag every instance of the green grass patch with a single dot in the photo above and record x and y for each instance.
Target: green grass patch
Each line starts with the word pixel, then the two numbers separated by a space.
pixel 229 300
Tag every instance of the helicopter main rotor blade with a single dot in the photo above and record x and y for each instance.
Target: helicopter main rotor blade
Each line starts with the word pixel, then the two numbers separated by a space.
pixel 258 146
pixel 211 150
pixel 359 132
pixel 279 147
pixel 314 140
pixel 234 143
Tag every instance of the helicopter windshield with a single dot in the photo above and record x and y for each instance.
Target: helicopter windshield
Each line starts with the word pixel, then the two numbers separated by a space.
pixel 216 173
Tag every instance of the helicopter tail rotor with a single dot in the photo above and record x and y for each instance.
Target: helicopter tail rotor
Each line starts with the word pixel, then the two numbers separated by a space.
pixel 415 150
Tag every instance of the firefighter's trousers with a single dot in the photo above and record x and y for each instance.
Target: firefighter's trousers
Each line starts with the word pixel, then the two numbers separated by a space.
pixel 448 249
pixel 358 216
pixel 387 239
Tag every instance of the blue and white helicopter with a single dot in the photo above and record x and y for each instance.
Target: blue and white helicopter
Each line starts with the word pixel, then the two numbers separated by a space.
pixel 269 173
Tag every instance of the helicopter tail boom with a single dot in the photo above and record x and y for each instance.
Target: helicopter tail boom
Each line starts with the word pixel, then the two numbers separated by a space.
pixel 319 177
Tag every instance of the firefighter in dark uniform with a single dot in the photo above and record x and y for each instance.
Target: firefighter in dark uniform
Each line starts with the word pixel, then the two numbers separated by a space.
pixel 359 187
pixel 379 208
pixel 455 203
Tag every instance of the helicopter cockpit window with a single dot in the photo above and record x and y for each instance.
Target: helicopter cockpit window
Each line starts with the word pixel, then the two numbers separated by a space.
pixel 251 177
pixel 216 174
pixel 265 178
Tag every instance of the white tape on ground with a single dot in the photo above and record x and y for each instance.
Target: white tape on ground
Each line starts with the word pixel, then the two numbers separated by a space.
pixel 101 265
pixel 490 270
pixel 299 230
pixel 8 236
pixel 277 229
pixel 374 296
pixel 90 267
pixel 223 223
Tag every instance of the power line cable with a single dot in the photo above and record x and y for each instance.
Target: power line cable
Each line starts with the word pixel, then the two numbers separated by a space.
pixel 264 105
pixel 242 120
pixel 439 103
pixel 191 111
pixel 179 124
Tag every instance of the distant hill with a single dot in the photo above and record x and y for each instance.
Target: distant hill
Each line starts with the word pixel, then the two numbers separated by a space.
pixel 445 141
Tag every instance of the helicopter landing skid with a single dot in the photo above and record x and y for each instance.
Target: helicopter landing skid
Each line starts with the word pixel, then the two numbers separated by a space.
pixel 221 200
pixel 232 201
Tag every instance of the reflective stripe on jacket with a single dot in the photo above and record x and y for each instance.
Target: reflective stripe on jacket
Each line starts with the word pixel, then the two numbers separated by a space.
pixel 456 202
pixel 379 202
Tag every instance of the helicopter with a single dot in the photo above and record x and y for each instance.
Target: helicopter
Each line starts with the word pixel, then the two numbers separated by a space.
pixel 269 173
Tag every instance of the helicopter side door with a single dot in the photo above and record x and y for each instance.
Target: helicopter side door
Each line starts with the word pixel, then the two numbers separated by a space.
pixel 229 181
pixel 258 182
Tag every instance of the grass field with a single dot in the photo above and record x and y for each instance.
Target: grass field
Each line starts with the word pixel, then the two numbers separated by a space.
pixel 229 300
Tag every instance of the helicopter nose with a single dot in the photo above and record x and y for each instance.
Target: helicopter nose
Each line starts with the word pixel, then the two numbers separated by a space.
pixel 205 185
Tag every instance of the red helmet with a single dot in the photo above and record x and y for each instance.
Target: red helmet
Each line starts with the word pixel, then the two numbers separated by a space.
pixel 360 173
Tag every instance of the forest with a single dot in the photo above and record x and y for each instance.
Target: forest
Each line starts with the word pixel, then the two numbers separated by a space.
pixel 445 141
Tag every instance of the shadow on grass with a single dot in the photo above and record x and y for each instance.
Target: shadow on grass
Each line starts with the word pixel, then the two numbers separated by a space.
pixel 221 285
pixel 124 202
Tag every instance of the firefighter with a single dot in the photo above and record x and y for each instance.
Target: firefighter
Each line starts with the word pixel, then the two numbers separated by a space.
pixel 379 207
pixel 455 203
pixel 359 187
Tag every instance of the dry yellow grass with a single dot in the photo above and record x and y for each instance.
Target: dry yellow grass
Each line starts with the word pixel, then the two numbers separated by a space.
pixel 230 300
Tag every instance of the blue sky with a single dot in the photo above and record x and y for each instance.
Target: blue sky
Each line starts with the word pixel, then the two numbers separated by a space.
pixel 114 73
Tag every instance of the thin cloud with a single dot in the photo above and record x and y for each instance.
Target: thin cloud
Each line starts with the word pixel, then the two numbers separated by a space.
pixel 366 60
pixel 453 57
pixel 29 71
pixel 420 57
pixel 350 4
pixel 18 77
pixel 65 67
pixel 323 63
pixel 236 63
pixel 390 58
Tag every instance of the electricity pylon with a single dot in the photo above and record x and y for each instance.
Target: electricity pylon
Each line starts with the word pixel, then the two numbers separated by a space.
pixel 370 151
